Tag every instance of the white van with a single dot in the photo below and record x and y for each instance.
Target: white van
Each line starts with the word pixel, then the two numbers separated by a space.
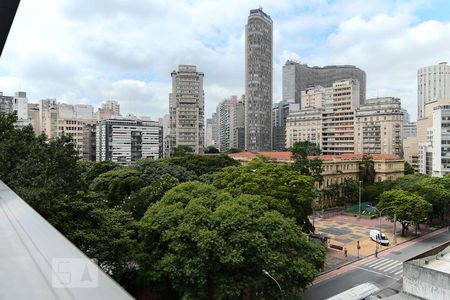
pixel 379 237
pixel 358 292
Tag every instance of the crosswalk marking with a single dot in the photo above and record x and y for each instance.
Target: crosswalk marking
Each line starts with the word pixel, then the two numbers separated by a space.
pixel 385 265
pixel 394 266
pixel 399 271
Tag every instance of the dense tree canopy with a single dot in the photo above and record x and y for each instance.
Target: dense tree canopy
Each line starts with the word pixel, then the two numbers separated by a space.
pixel 283 189
pixel 203 164
pixel 206 244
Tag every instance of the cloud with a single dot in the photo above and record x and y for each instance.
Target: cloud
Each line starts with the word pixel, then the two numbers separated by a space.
pixel 90 51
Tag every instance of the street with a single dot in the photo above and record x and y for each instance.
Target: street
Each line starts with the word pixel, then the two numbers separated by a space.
pixel 384 271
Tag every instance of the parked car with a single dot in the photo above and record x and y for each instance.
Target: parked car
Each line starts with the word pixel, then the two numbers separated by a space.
pixel 379 237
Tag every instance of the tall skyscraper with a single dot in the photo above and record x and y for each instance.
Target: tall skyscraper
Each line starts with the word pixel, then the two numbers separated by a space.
pixel 433 84
pixel 187 106
pixel 258 81
pixel 299 77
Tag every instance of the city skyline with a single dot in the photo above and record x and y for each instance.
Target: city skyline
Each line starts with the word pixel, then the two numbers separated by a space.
pixel 113 51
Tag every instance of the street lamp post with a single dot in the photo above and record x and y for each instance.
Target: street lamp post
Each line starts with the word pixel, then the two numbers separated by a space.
pixel 394 229
pixel 359 215
pixel 270 276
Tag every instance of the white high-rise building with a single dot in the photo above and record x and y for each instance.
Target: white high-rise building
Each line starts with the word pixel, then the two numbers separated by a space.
pixel 338 118
pixel 433 84
pixel 187 106
pixel 113 106
pixel 258 81
pixel 125 141
pixel 441 140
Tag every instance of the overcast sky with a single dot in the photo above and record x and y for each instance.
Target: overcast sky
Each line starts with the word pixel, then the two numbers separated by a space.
pixel 87 51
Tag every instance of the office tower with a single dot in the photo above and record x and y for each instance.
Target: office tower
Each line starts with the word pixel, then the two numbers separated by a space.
pixel 304 125
pixel 125 141
pixel 6 104
pixel 164 122
pixel 280 112
pixel 433 84
pixel 33 115
pixel 316 96
pixel 224 123
pixel 409 129
pixel 20 105
pixel 237 125
pixel 209 132
pixel 299 77
pixel 378 124
pixel 441 141
pixel 258 81
pixel 44 106
pixel 187 107
pixel 89 142
pixel 338 118
pixel 214 129
pixel 425 136
pixel 113 106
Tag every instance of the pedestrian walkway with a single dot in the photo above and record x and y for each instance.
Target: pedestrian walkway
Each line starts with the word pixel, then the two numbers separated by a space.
pixel 384 266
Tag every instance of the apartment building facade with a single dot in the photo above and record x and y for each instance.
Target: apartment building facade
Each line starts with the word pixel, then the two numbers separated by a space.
pixel 338 118
pixel 379 127
pixel 304 125
pixel 125 141
pixel 186 109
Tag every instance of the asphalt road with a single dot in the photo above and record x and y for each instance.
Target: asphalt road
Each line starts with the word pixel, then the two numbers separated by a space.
pixel 384 271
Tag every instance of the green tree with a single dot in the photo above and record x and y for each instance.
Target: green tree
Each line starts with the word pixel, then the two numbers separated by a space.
pixel 282 188
pixel 367 170
pixel 205 244
pixel 211 149
pixel 138 202
pixel 117 184
pixel 408 207
pixel 182 150
pixel 349 190
pixel 307 166
pixel 408 169
pixel 151 170
pixel 98 168
pixel 203 164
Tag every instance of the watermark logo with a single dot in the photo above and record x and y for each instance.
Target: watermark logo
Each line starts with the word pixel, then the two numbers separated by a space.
pixel 74 273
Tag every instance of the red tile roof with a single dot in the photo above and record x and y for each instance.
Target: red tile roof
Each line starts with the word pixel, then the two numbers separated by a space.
pixel 286 156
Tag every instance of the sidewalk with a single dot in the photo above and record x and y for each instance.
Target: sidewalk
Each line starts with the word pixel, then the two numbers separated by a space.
pixel 351 266
pixel 347 231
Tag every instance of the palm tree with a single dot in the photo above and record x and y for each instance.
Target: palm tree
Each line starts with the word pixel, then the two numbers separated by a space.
pixel 367 170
